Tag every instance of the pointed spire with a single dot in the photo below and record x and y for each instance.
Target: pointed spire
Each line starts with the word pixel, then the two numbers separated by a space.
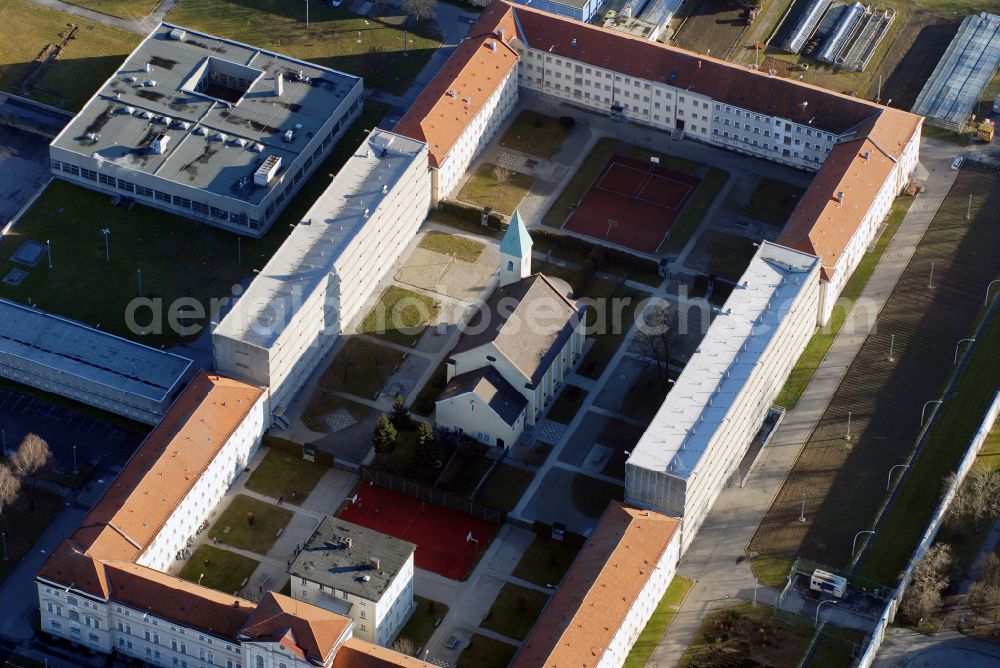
pixel 516 242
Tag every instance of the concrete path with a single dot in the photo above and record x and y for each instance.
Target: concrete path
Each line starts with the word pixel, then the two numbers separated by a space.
pixel 716 561
pixel 944 649
pixel 141 26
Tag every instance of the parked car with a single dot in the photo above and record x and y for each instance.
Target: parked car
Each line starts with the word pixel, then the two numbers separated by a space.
pixel 957 163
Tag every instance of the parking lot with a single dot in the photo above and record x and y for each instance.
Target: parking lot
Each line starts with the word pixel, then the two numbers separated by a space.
pixel 97 442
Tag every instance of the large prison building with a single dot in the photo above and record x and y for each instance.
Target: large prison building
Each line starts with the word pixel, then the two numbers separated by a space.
pixel 207 128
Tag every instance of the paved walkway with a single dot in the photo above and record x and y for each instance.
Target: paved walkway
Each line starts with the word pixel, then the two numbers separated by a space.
pixel 717 560
pixel 141 25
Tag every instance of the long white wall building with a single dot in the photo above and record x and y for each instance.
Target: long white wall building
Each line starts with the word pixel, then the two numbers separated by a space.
pixel 864 153
pixel 718 403
pixel 297 307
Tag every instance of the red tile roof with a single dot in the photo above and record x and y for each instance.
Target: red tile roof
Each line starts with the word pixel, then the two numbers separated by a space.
pixel 360 654
pixel 593 599
pixel 310 632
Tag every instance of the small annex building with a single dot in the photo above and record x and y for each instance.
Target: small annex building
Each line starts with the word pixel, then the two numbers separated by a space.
pixel 516 351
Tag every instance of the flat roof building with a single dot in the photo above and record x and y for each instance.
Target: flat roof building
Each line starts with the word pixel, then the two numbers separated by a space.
pixel 85 364
pixel 207 128
pixel 359 573
pixel 706 423
pixel 317 282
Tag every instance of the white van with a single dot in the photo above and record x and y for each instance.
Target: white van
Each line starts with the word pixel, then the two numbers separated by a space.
pixel 957 163
pixel 828 583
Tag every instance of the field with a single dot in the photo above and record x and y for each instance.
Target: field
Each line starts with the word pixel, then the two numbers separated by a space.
pixel 820 343
pixel 400 316
pixel 498 189
pixel 370 48
pixel 179 258
pixel 545 561
pixel 454 245
pixel 771 202
pixel 217 569
pixel 126 9
pixel 514 611
pixel 483 652
pixel 505 487
pixel 280 474
pixel 729 254
pixel 82 66
pixel 844 482
pixel 535 134
pixel 632 203
pixel 234 527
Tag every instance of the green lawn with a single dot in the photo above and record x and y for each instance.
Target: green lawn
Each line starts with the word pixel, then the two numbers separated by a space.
pixel 453 245
pixel 424 403
pixel 84 64
pixel 546 561
pixel 535 134
pixel 958 420
pixel 658 623
pixel 771 202
pixel 646 394
pixel 421 625
pixel 465 218
pixel 505 487
pixel 360 368
pixel 514 611
pixel 25 526
pixel 400 316
pixel 730 254
pixel 486 187
pixel 483 652
pixel 126 9
pixel 578 185
pixel 989 454
pixel 567 405
pixel 772 571
pixel 258 537
pixel 696 208
pixel 821 341
pixel 179 258
pixel 336 38
pixel 281 474
pixel 223 570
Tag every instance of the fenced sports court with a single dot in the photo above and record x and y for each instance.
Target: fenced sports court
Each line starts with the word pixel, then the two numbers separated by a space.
pixel 632 204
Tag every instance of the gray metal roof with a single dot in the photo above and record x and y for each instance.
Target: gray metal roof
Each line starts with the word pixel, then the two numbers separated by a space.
pixel 93 356
pixel 308 255
pixel 328 561
pixel 154 93
pixel 492 388
pixel 702 397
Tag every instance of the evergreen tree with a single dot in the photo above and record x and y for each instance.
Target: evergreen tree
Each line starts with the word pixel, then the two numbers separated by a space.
pixel 426 445
pixel 385 434
pixel 400 413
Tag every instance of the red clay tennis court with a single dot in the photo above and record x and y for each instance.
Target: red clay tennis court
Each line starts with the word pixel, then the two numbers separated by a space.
pixel 439 534
pixel 632 203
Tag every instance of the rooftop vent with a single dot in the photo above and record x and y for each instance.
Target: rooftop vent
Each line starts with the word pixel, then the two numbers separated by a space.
pixel 146 114
pixel 467 100
pixel 240 141
pixel 279 85
pixel 130 79
pixel 374 563
pixel 183 125
pixel 126 110
pixel 166 120
pixel 221 136
pixel 452 94
pixel 573 42
pixel 840 196
pixel 491 45
pixel 257 147
pixel 867 155
pixel 201 131
pixel 177 34
pixel 289 136
pixel 150 84
pixel 147 68
pixel 267 171
pixel 501 32
pixel 159 145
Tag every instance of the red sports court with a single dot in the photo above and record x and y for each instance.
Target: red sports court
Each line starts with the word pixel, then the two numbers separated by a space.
pixel 632 204
pixel 448 543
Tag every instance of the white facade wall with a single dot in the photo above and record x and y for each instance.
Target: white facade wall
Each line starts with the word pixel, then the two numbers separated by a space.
pixel 690 496
pixel 666 107
pixel 209 489
pixel 475 137
pixel 468 413
pixel 643 606
pixel 108 626
pixel 377 621
pixel 319 318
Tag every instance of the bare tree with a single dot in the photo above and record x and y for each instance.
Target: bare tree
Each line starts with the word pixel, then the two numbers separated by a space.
pixel 420 10
pixel 10 485
pixel 31 457
pixel 984 595
pixel 404 645
pixel 929 580
pixel 502 174
pixel 976 498
pixel 656 334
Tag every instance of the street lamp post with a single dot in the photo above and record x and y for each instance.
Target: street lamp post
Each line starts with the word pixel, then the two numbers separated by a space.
pixel 48 251
pixel 847 436
pixel 930 279
pixel 854 544
pixel 820 607
pixel 107 247
pixel 924 409
pixel 888 479
pixel 986 301
pixel 959 345
pixel 892 346
pixel 3 539
pixel 802 512
pixel 307 14
pixel 76 469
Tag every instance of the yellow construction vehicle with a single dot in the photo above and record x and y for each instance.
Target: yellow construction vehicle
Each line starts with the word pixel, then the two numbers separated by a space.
pixel 985 130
